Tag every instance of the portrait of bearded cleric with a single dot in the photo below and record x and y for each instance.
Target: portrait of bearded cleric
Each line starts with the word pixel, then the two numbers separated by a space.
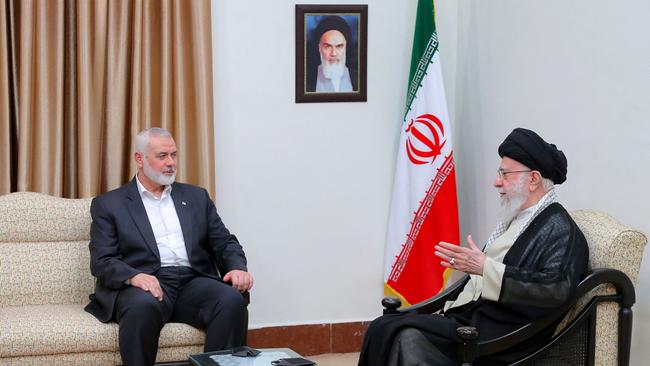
pixel 331 57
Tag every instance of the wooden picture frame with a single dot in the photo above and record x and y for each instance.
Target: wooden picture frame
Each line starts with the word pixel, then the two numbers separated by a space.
pixel 331 53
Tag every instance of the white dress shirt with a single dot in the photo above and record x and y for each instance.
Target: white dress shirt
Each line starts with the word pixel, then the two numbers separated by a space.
pixel 166 226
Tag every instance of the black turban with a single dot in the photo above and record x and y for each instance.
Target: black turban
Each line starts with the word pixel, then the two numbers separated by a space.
pixel 332 22
pixel 526 147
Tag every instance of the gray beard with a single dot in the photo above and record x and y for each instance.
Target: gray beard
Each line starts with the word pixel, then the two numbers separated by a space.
pixel 159 178
pixel 511 205
pixel 333 71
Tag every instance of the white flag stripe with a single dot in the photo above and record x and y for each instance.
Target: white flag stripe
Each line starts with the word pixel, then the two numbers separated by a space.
pixel 413 182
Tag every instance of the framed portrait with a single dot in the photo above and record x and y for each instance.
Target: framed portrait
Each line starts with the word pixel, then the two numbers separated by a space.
pixel 331 53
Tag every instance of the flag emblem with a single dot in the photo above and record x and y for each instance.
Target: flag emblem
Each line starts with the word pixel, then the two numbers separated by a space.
pixel 423 142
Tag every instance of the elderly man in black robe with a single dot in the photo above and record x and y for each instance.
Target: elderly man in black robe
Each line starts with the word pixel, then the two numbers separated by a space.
pixel 530 266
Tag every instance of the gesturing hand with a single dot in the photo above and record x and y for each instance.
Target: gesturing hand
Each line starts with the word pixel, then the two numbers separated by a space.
pixel 147 283
pixel 240 280
pixel 468 260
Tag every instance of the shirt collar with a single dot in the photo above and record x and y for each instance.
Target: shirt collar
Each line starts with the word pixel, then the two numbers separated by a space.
pixel 167 191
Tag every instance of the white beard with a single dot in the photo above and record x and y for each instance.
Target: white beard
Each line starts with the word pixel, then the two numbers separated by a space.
pixel 160 178
pixel 511 204
pixel 333 71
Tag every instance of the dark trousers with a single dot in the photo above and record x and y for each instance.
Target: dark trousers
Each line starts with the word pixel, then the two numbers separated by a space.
pixel 412 348
pixel 410 339
pixel 189 298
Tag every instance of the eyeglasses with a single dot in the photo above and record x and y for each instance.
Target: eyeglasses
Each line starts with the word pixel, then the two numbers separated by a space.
pixel 502 173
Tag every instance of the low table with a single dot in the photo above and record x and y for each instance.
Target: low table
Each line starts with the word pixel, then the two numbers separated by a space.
pixel 225 358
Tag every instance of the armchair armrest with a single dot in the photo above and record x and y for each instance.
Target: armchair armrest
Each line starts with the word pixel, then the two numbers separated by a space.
pixel 437 302
pixel 625 295
pixel 428 306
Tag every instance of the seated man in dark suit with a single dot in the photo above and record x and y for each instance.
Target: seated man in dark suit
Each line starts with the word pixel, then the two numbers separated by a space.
pixel 153 245
pixel 531 264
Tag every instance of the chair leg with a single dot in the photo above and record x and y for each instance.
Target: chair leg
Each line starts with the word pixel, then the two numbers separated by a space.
pixel 624 335
pixel 245 333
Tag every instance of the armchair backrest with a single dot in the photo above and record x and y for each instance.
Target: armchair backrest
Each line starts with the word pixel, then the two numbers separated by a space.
pixel 611 245
pixel 44 257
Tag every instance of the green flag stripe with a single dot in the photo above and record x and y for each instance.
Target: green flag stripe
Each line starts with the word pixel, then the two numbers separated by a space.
pixel 421 71
pixel 425 25
pixel 425 44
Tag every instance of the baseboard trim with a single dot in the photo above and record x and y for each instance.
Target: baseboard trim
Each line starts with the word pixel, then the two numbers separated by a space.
pixel 311 339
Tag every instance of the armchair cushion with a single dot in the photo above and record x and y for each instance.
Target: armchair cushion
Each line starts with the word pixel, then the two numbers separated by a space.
pixel 53 329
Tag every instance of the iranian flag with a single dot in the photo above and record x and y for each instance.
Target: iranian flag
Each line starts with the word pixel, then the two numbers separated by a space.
pixel 424 208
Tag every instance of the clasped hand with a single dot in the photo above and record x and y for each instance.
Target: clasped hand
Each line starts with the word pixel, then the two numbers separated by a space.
pixel 469 260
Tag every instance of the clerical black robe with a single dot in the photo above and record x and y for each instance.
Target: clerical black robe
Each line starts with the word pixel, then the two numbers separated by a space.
pixel 543 267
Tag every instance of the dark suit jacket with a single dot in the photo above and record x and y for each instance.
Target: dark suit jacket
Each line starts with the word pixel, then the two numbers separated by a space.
pixel 122 243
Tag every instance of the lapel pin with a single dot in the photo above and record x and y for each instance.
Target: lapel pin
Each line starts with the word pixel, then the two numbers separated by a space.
pixel 183 203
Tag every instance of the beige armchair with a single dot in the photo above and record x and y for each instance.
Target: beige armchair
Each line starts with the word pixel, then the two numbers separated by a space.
pixel 597 328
